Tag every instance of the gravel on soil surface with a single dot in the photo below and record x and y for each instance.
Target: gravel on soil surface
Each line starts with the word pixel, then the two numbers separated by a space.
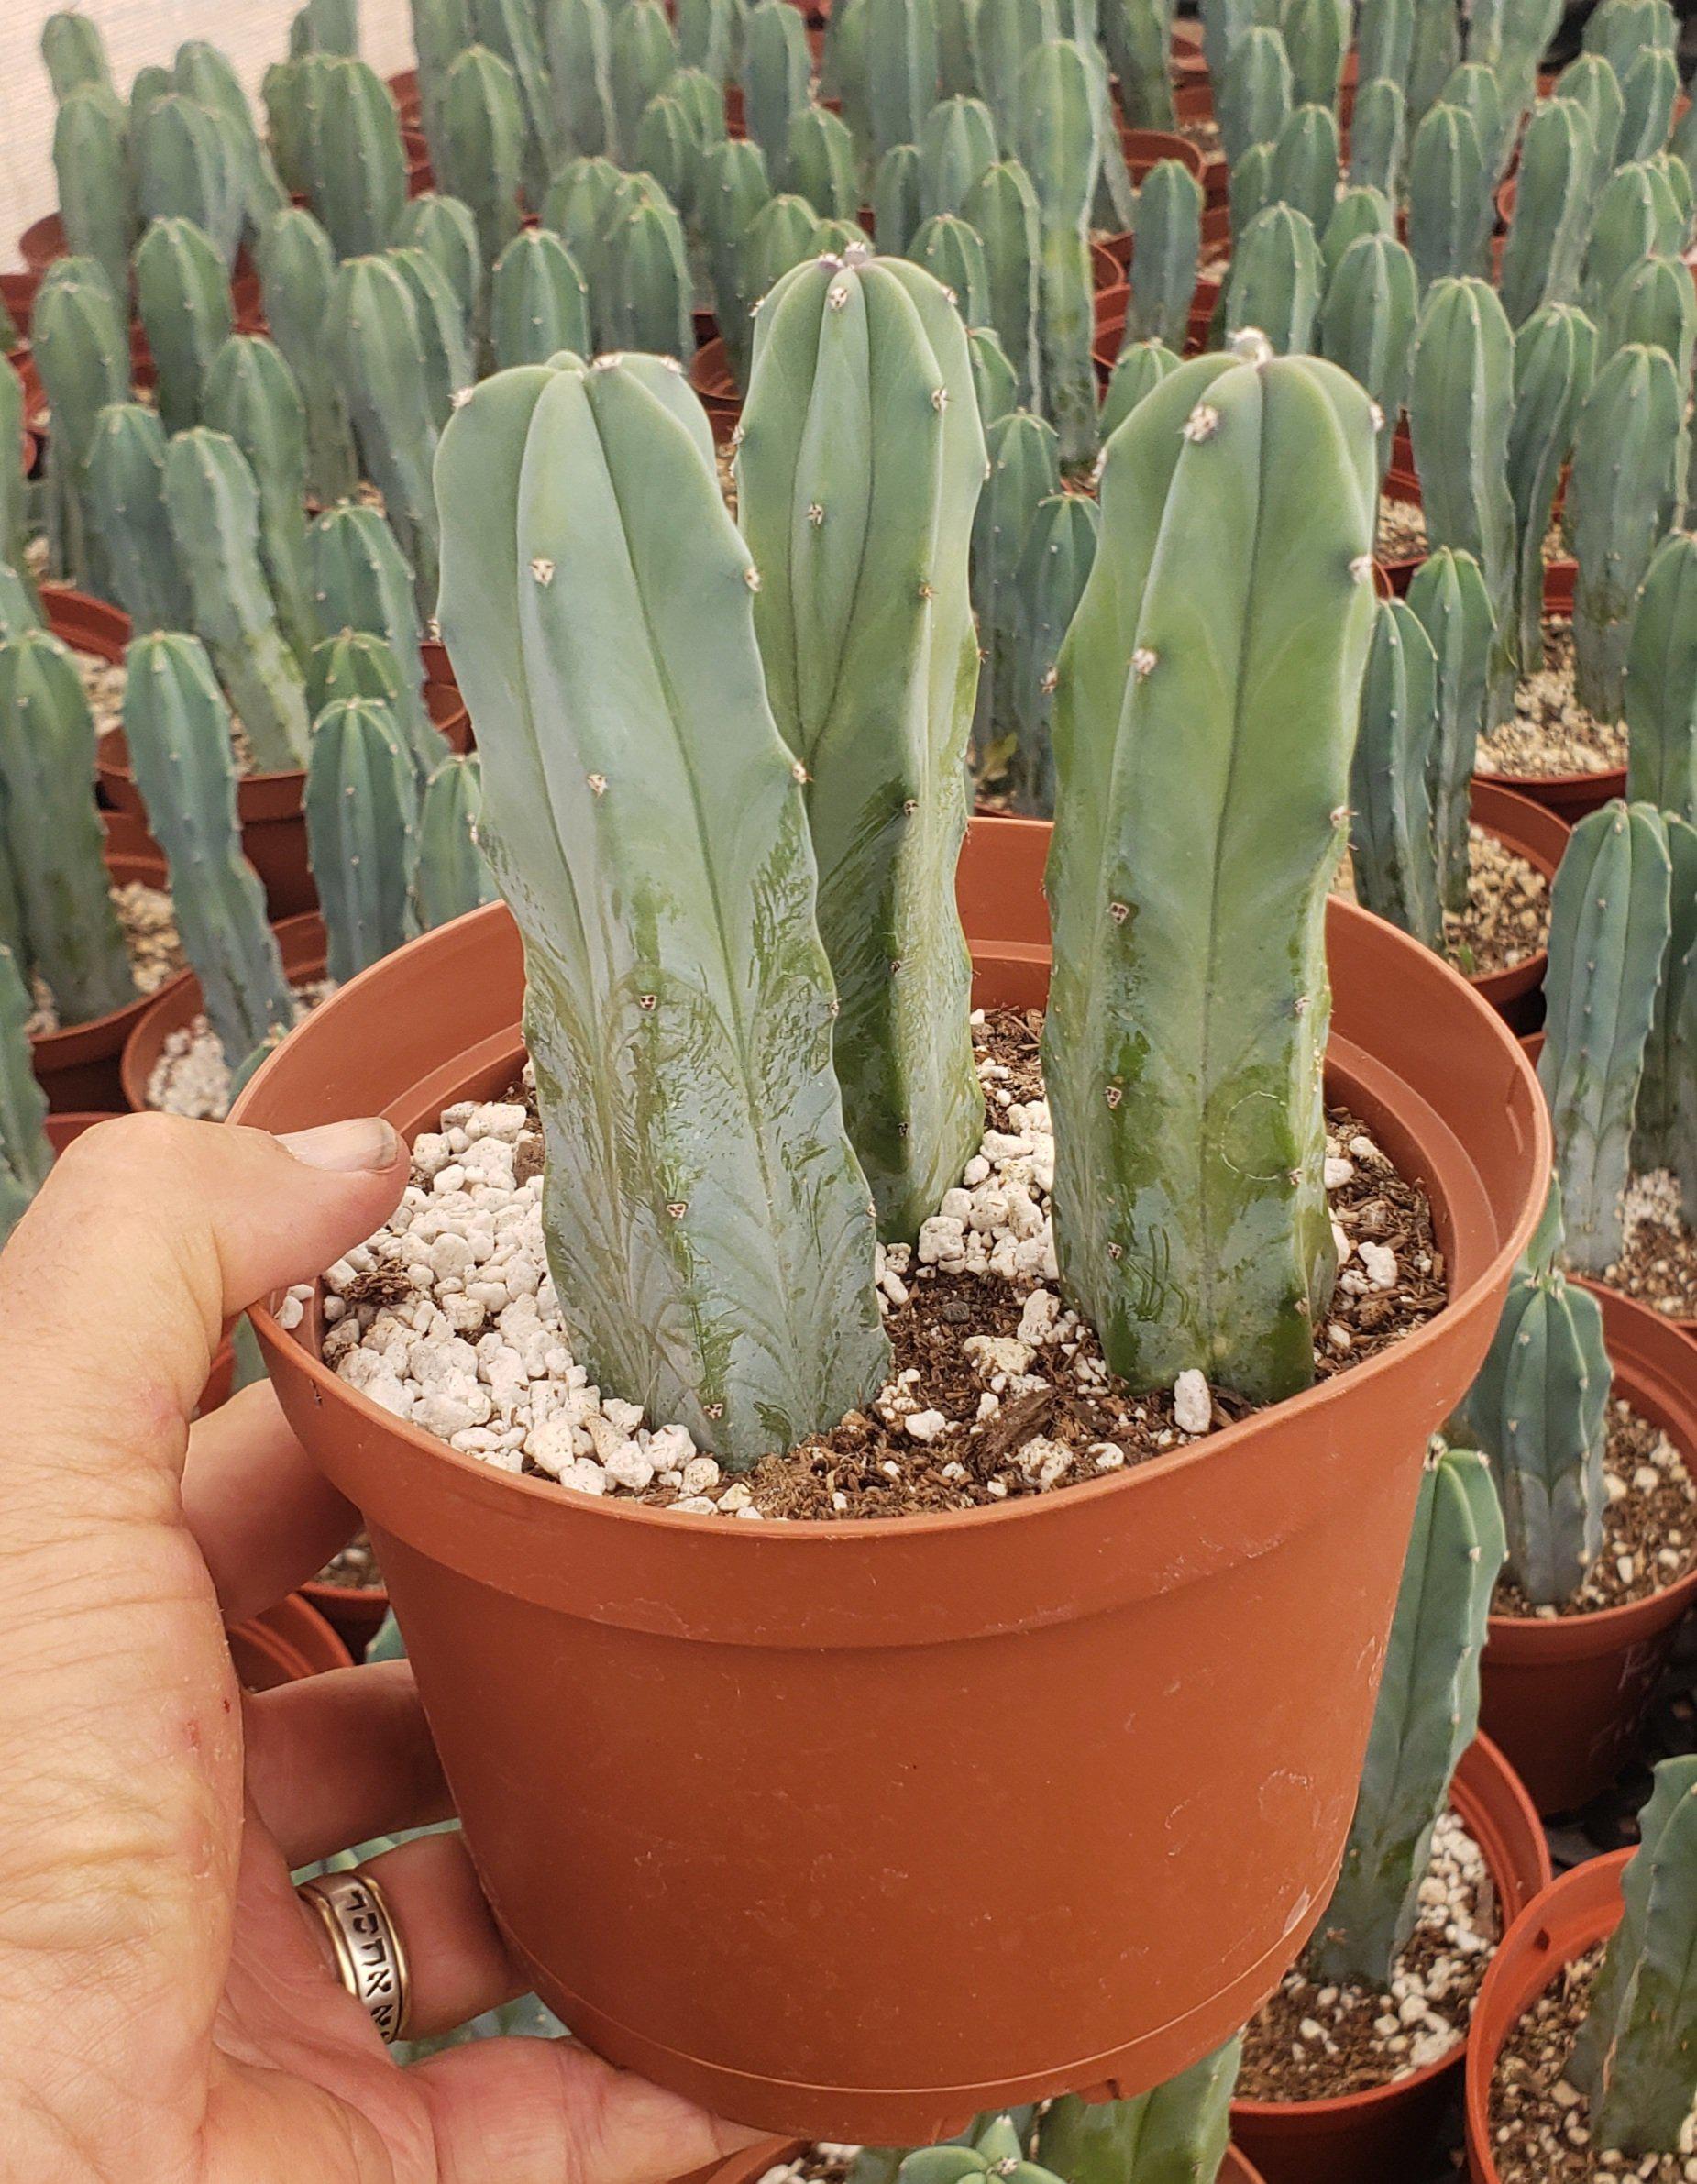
pixel 355 1569
pixel 150 935
pixel 1658 1256
pixel 1507 914
pixel 1551 732
pixel 447 1318
pixel 192 1077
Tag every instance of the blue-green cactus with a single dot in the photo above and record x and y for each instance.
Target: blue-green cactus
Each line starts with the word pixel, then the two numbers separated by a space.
pixel 1001 208
pixel 577 38
pixel 1024 471
pixel 1274 287
pixel 1166 249
pixel 538 300
pixel 957 145
pixel 1638 215
pixel 1450 203
pixel 1550 225
pixel 90 163
pixel 734 191
pixel 1367 325
pixel 641 59
pixel 1378 137
pixel 125 479
pixel 820 163
pixel 952 253
pixel 51 844
pixel 188 167
pixel 592 571
pixel 776 71
pixel 1060 148
pixel 1140 368
pixel 1661 690
pixel 81 348
pixel 1449 600
pixel 182 291
pixel 1555 362
pixel 361 804
pixel 1427 1716
pixel 478 152
pixel 250 393
pixel 903 65
pixel 297 267
pixel 510 28
pixel 375 342
pixel 445 338
pixel 1392 845
pixel 1254 98
pixel 213 502
pixel 895 213
pixel 649 264
pixel 1138 38
pixel 74 51
pixel 873 566
pixel 1203 721
pixel 1303 171
pixel 1663 1124
pixel 1609 926
pixel 177 728
pixel 358 177
pixel 1177 2133
pixel 26 1154
pixel 360 581
pixel 452 875
pixel 1053 570
pixel 993 377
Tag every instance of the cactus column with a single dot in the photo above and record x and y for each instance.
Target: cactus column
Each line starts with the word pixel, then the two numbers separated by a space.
pixel 708 1226
pixel 1204 722
pixel 858 473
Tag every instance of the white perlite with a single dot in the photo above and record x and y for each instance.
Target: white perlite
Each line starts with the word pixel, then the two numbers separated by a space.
pixel 192 1077
pixel 447 1315
pixel 1654 1197
pixel 1424 2013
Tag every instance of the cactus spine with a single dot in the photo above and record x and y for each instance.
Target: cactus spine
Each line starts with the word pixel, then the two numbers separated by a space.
pixel 297 267
pixel 1449 598
pixel 1633 2054
pixel 1367 325
pixel 1626 454
pixel 1609 924
pixel 1166 248
pixel 1460 403
pixel 1274 287
pixel 177 727
pixel 360 582
pixel 883 551
pixel 81 347
pixel 183 293
pixel 51 838
pixel 1427 1716
pixel 1539 1410
pixel 1391 839
pixel 452 877
pixel 1185 733
pixel 1002 210
pixel 90 162
pixel 24 1153
pixel 625 608
pixel 1175 2134
pixel 478 154
pixel 538 300
pixel 1661 690
pixel 1555 360
pixel 213 505
pixel 1058 144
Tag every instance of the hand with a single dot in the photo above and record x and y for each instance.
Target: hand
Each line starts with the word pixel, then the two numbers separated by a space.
pixel 167 2009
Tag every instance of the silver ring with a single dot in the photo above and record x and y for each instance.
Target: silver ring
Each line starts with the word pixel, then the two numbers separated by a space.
pixel 366 1943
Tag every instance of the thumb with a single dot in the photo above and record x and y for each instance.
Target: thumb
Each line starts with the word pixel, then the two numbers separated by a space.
pixel 151 1234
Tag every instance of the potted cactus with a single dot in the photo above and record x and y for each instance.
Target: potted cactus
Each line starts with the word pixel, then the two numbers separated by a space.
pixel 836 654
pixel 1444 1852
pixel 1592 1996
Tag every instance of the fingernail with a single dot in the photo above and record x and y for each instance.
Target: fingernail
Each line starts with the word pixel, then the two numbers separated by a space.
pixel 364 1145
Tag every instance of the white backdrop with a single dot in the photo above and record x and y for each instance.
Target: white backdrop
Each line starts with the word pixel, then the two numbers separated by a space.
pixel 252 32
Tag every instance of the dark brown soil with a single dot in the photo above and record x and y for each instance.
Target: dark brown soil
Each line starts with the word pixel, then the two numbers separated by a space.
pixel 1507 914
pixel 1649 1533
pixel 355 1568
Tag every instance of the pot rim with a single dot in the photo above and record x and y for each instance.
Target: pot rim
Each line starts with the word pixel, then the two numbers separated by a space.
pixel 54 1050
pixel 300 941
pixel 1465 1798
pixel 1316 1401
pixel 1515 1640
pixel 1589 1897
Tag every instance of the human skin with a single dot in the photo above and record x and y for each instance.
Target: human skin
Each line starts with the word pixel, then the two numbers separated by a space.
pixel 167 2013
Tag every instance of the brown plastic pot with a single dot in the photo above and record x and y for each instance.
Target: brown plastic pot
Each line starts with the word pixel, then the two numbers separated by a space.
pixel 85 624
pixel 1572 1916
pixel 1111 305
pixel 750 2166
pixel 721 397
pixel 1145 148
pixel 1571 796
pixel 17 293
pixel 1536 834
pixel 285 1645
pixel 403 90
pixel 1386 2135
pixel 41 242
pixel 355 1613
pixel 78 1068
pixel 713 1775
pixel 1566 1697
pixel 268 806
pixel 299 942
pixel 1216 236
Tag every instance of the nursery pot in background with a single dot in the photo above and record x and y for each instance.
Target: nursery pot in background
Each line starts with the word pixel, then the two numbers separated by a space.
pixel 300 944
pixel 285 1645
pixel 1386 2135
pixel 713 1775
pixel 1539 836
pixel 1577 1912
pixel 1565 1697
pixel 1570 796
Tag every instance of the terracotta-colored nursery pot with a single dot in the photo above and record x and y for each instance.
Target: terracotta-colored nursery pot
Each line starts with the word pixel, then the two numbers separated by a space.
pixel 285 1645
pixel 268 806
pixel 1565 1697
pixel 1540 837
pixel 721 397
pixel 1145 148
pixel 1572 1916
pixel 1571 796
pixel 713 1775
pixel 85 624
pixel 355 1613
pixel 1216 236
pixel 751 2164
pixel 78 1068
pixel 1386 2135
pixel 1111 306
pixel 299 942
